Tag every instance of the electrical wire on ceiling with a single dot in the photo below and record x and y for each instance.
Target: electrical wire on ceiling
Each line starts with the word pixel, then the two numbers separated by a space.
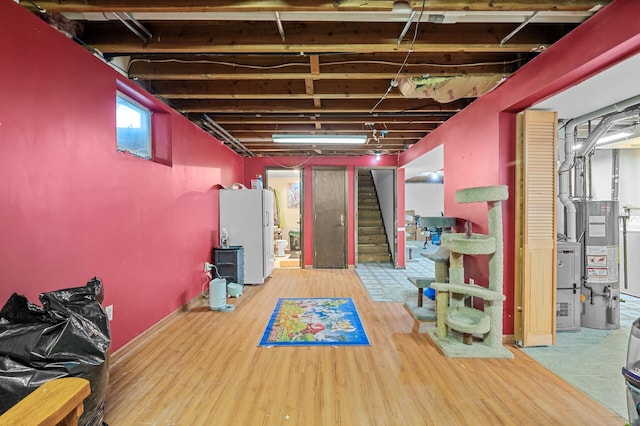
pixel 305 64
pixel 394 83
pixel 296 166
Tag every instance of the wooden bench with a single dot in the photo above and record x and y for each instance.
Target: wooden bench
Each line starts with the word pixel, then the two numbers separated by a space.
pixel 57 402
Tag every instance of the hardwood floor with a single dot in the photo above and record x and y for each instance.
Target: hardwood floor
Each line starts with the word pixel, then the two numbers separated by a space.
pixel 205 368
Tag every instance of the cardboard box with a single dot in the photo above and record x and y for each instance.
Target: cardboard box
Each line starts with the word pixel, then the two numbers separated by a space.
pixel 410 231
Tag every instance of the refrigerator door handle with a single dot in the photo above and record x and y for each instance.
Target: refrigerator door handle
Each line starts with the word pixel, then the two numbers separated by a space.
pixel 342 220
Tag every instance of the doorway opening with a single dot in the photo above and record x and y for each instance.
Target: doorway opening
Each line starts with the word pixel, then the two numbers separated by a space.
pixel 288 236
pixel 376 221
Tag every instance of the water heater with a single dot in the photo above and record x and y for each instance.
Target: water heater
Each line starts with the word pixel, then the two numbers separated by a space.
pixel 217 294
pixel 597 230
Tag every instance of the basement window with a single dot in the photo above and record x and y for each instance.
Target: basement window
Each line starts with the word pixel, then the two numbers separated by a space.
pixel 133 123
pixel 143 125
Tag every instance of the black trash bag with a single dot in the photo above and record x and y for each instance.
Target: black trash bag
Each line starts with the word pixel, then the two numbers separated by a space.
pixel 68 337
pixel 19 310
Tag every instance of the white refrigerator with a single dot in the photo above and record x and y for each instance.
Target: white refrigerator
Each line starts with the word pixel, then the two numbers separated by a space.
pixel 247 215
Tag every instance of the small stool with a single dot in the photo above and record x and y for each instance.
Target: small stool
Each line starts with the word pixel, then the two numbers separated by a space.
pixel 421 283
pixel 441 260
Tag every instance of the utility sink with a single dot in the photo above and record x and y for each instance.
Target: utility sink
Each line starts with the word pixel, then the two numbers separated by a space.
pixel 477 244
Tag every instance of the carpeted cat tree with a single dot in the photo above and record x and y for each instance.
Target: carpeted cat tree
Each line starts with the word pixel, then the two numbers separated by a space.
pixel 458 321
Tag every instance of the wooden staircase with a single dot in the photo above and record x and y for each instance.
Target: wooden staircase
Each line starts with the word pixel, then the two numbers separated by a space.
pixel 372 239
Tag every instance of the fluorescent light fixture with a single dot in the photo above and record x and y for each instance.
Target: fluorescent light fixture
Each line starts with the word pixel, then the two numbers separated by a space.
pixel 320 139
pixel 614 137
pixel 433 174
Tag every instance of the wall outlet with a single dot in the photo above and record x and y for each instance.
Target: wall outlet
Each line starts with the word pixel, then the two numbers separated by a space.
pixel 208 266
pixel 109 310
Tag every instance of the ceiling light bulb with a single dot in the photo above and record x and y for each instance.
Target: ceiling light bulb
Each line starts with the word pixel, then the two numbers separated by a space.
pixel 401 6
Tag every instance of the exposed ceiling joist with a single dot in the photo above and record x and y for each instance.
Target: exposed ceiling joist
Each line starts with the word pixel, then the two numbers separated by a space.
pixel 307 6
pixel 325 67
pixel 315 37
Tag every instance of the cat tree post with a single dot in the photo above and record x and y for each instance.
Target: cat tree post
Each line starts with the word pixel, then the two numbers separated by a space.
pixel 496 270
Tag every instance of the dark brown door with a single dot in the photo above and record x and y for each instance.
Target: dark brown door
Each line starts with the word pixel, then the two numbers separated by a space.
pixel 329 218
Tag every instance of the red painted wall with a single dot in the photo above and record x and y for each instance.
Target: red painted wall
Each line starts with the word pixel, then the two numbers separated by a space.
pixel 257 165
pixel 72 207
pixel 479 141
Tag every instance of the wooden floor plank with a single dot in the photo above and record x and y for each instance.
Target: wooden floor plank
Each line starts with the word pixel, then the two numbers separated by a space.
pixel 205 368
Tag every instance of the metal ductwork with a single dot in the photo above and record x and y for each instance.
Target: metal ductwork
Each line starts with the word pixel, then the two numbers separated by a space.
pixel 220 133
pixel 611 114
pixel 134 26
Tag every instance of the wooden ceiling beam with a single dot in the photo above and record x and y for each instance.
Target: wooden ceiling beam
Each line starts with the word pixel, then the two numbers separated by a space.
pixel 312 37
pixel 374 75
pixel 317 96
pixel 278 89
pixel 263 144
pixel 328 128
pixel 352 117
pixel 330 106
pixel 253 121
pixel 133 46
pixel 302 5
pixel 348 150
pixel 358 66
pixel 248 134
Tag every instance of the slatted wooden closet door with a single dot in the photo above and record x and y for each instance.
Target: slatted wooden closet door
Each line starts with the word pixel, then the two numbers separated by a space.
pixel 535 259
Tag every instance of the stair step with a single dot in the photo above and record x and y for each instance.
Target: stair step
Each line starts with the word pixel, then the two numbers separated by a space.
pixel 369 214
pixel 371 258
pixel 369 205
pixel 370 221
pixel 370 230
pixel 372 239
pixel 369 199
pixel 373 249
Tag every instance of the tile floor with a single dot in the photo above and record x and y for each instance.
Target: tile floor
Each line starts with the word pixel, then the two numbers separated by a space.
pixel 290 260
pixel 589 359
pixel 386 284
